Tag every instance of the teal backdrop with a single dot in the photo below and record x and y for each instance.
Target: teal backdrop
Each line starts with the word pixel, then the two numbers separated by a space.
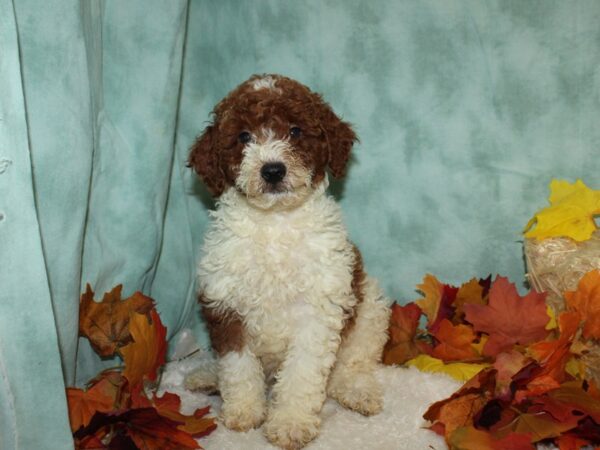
pixel 465 110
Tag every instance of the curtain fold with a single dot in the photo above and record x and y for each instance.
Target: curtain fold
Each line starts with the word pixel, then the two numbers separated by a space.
pixel 141 51
pixel 32 396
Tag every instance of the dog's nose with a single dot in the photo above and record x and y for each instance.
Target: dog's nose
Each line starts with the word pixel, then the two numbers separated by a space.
pixel 273 173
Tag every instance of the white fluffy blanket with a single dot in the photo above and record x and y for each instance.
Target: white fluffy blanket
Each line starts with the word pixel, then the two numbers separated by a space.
pixel 408 393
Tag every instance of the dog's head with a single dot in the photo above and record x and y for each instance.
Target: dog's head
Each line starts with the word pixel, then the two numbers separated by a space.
pixel 272 139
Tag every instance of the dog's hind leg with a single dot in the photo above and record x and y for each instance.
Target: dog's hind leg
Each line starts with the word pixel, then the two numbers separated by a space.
pixel 352 382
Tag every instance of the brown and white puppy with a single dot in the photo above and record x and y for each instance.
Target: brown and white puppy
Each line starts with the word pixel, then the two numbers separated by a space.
pixel 282 288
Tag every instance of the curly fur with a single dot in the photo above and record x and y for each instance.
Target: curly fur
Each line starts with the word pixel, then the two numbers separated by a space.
pixel 283 289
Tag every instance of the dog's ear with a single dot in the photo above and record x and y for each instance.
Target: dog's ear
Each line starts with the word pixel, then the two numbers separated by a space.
pixel 204 159
pixel 340 139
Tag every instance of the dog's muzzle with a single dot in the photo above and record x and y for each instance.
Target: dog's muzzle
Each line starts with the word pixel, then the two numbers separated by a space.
pixel 273 172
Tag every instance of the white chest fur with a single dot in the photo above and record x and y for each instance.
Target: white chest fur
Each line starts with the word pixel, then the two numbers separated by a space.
pixel 278 269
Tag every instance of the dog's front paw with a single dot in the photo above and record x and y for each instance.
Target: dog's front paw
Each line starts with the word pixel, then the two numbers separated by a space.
pixel 291 430
pixel 242 417
pixel 361 393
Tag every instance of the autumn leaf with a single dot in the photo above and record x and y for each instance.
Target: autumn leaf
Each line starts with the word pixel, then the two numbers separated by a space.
pixel 570 214
pixel 470 293
pixel 403 327
pixel 507 365
pixel 586 300
pixel 570 442
pixel 142 428
pixel 84 404
pixel 118 410
pixel 572 394
pixel 432 291
pixel 459 370
pixel 454 342
pixel 553 355
pixel 498 318
pixel 168 406
pixel 148 429
pixel 470 438
pixel 539 385
pixel 539 426
pixel 458 410
pixel 146 354
pixel 196 425
pixel 105 323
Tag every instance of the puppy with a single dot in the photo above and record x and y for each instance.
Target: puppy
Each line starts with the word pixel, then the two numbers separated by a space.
pixel 282 289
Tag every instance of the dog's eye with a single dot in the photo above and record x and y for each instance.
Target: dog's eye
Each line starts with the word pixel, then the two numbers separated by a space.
pixel 244 137
pixel 295 132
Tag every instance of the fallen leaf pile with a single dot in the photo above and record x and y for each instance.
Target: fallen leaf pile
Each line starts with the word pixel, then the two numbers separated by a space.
pixel 119 409
pixel 528 373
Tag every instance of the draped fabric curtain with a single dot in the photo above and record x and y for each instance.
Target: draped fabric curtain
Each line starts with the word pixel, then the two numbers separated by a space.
pixel 465 110
pixel 93 190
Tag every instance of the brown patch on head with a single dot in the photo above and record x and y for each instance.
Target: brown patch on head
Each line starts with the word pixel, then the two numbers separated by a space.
pixel 226 329
pixel 358 281
pixel 278 104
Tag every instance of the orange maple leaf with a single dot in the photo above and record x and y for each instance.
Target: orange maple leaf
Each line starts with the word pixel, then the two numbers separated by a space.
pixel 146 354
pixel 401 345
pixel 538 386
pixel 454 342
pixel 586 300
pixel 84 404
pixel 459 412
pixel 196 425
pixel 453 413
pixel 105 323
pixel 554 354
pixel 430 303
pixel 509 318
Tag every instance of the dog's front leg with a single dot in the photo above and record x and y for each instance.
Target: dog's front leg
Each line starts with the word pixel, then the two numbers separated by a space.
pixel 241 379
pixel 242 386
pixel 299 392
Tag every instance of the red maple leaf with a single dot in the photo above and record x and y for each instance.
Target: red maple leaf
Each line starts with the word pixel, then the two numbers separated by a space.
pixel 509 318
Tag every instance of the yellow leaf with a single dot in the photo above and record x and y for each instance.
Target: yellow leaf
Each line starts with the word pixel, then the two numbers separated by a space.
pixel 459 371
pixel 570 214
pixel 551 325
pixel 574 368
